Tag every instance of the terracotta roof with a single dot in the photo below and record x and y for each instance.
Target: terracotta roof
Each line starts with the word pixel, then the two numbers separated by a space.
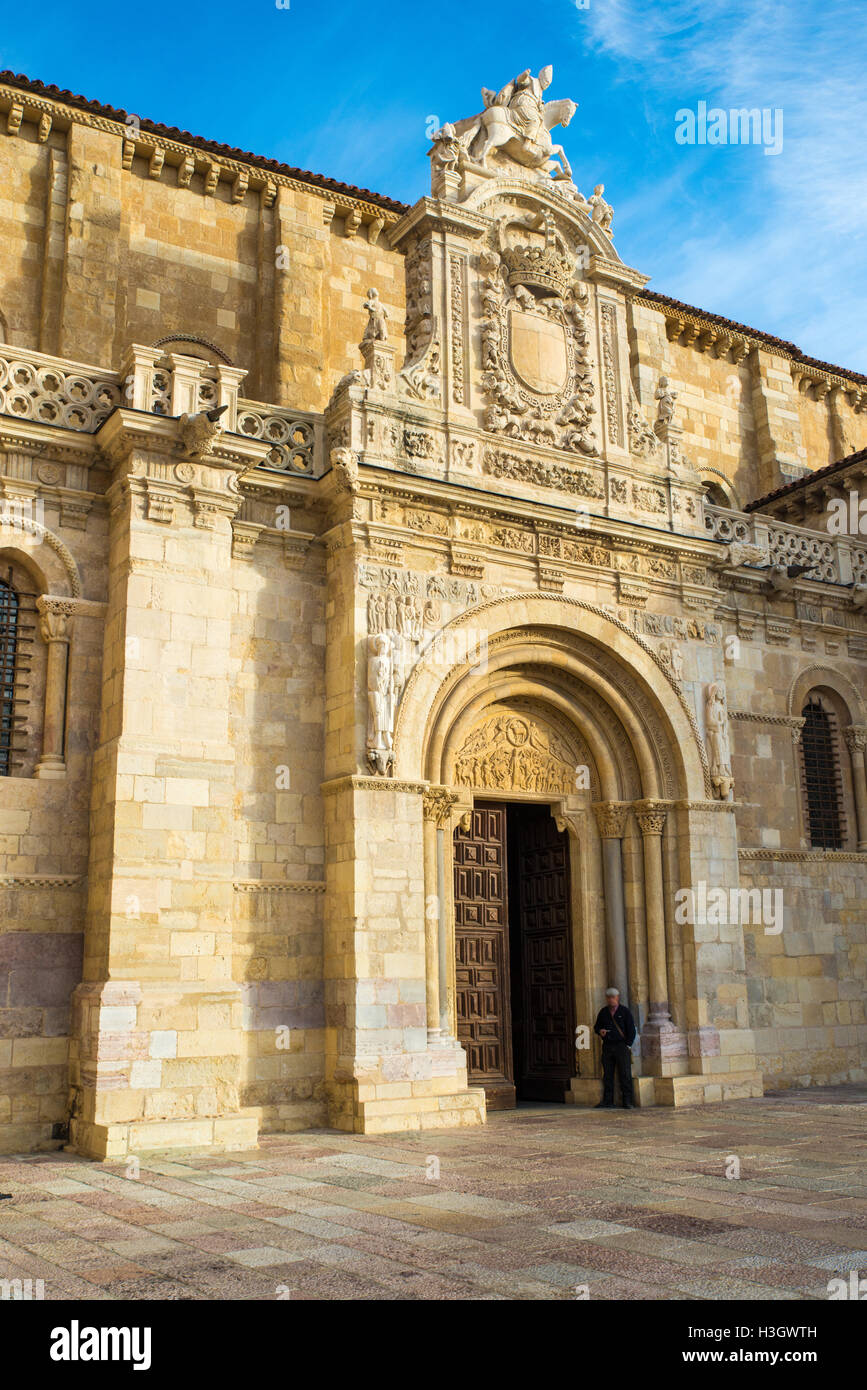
pixel 26 84
pixel 860 456
pixel 791 349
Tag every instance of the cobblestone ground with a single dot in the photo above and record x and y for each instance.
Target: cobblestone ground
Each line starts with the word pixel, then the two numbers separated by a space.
pixel 541 1201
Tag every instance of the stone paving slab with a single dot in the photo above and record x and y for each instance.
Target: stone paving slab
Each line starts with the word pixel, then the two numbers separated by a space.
pixel 542 1203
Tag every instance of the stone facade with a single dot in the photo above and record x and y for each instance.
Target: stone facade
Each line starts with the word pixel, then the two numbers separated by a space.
pixel 368 514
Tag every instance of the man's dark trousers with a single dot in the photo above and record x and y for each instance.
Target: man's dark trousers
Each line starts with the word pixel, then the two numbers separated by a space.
pixel 616 1055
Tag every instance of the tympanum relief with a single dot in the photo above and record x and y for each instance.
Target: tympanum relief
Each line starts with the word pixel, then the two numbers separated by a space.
pixel 510 753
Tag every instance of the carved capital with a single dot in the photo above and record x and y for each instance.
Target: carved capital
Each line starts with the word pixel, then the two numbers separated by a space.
pixel 438 804
pixel 797 728
pixel 856 737
pixel 55 618
pixel 650 816
pixel 611 819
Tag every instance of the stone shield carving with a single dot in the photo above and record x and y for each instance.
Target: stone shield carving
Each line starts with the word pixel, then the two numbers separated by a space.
pixel 537 348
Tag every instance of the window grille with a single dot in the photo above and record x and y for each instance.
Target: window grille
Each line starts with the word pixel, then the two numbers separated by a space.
pixel 823 783
pixel 17 636
pixel 8 649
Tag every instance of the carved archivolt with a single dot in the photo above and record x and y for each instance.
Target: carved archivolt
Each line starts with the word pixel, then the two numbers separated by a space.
pixel 41 533
pixel 622 678
pixel 812 676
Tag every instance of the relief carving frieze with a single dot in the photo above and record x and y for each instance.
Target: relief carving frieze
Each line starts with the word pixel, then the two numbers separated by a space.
pixel 500 463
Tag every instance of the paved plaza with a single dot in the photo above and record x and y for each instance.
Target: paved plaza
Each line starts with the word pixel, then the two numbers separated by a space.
pixel 544 1202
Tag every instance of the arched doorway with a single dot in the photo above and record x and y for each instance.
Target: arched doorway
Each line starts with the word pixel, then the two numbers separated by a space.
pixel 570 756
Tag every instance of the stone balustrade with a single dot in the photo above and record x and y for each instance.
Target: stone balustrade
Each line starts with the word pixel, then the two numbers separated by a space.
pixel 70 395
pixel 834 559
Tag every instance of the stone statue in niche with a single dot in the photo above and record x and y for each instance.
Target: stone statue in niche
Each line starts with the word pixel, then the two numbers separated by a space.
pixel 377 325
pixel 717 733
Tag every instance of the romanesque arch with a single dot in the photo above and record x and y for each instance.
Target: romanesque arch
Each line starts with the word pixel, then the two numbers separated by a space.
pixel 574 656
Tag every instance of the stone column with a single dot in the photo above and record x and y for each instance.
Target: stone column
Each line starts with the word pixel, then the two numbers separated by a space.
pixel 856 742
pixel 661 1042
pixel 437 803
pixel 55 625
pixel 651 818
pixel 611 820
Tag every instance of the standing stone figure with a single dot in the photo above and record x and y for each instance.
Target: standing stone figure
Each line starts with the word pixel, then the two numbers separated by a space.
pixel 380 700
pixel 377 327
pixel 717 727
pixel 666 398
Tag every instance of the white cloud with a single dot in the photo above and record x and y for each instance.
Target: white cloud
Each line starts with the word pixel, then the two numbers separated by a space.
pixel 791 242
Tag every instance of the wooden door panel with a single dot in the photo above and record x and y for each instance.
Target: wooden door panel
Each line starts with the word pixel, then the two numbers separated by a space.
pixel 544 1001
pixel 482 954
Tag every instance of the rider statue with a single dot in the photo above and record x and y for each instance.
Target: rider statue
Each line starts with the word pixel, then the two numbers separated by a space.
pixel 517 122
pixel 525 103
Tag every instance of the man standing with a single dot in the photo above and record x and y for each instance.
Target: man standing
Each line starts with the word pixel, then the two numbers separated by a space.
pixel 616 1027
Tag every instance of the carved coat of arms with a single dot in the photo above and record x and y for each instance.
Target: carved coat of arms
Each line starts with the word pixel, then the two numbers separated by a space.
pixel 537 348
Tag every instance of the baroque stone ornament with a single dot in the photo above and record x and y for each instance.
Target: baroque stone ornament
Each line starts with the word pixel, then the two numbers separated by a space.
pixel 345 466
pixel 537 372
pixel 642 439
pixel 377 316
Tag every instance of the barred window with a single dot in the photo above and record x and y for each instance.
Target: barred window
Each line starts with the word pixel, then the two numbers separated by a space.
pixel 8 652
pixel 823 783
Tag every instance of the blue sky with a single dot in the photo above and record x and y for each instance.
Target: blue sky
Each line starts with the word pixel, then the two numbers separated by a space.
pixel 347 89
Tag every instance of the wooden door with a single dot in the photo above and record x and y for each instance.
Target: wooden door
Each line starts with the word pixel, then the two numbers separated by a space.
pixel 542 991
pixel 482 954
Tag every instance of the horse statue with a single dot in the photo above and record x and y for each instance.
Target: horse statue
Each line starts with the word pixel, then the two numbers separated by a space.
pixel 519 122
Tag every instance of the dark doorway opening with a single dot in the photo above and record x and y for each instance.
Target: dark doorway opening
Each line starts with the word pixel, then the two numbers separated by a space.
pixel 513 944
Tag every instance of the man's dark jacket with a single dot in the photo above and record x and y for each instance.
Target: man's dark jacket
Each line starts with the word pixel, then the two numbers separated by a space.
pixel 623 1020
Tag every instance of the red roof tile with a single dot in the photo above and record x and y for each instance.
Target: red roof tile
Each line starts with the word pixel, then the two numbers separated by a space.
pixel 11 79
pixel 860 456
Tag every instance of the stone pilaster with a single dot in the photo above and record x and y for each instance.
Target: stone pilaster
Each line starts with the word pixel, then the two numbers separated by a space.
pixel 389 1068
pixel 438 804
pixel 157 1018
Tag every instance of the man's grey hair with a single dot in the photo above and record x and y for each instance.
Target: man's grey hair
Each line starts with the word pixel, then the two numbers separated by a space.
pixel 611 990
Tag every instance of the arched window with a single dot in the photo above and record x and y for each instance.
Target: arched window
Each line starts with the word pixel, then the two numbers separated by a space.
pixel 8 653
pixel 823 783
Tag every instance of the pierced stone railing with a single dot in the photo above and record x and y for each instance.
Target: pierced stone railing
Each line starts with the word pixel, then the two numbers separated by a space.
pixel 725 525
pixel 294 436
pixel 833 559
pixel 792 545
pixel 68 395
